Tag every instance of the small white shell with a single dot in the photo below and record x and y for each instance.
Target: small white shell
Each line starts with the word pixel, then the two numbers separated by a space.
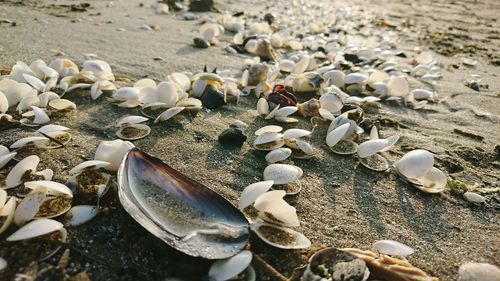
pixel 252 192
pixel 331 103
pixel 24 141
pixel 4 159
pixel 29 206
pixel 15 175
pixel 112 152
pixel 95 164
pixel 336 77
pixel 262 107
pixel 81 214
pixel 356 78
pixel 286 111
pixel 268 129
pixel 145 131
pixel 302 65
pixel 392 248
pixel 36 228
pixel 40 116
pixel 132 119
pixel 268 138
pixel 226 269
pixel 272 208
pixel 299 240
pixel 4 103
pixel 434 181
pixel 325 114
pixel 286 65
pixel 474 197
pixel 62 104
pixel 295 133
pixel 36 83
pixel 169 113
pixel 415 164
pixel 337 134
pixel 64 138
pixel 52 128
pixel 478 272
pixel 371 147
pixel 282 173
pixel 190 104
pixel 278 155
pixel 273 112
pixel 53 188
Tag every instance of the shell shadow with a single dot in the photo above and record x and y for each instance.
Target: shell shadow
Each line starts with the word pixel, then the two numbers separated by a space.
pixel 426 223
pixel 365 198
pixel 188 49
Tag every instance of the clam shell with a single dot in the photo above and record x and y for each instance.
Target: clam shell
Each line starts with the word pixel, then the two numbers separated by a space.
pixel 24 141
pixel 331 103
pixel 335 77
pixel 145 82
pixel 226 269
pixel 392 248
pixel 5 159
pixel 268 129
pixel 345 147
pixel 356 78
pixel 14 178
pixel 269 141
pixel 62 104
pixel 29 206
pixel 337 134
pixel 286 111
pixel 81 214
pixel 415 164
pixel 40 116
pixel 183 213
pixel 262 107
pixel 375 162
pixel 169 113
pixel 52 128
pixel 132 119
pixel 280 237
pixel 3 198
pixel 55 206
pixel 252 192
pixel 112 152
pixel 95 164
pixel 278 155
pixel 474 197
pixel 295 133
pixel 139 131
pixel 190 104
pixel 273 209
pixel 272 114
pixel 4 103
pixel 53 188
pixel 61 136
pixel 36 228
pixel 282 173
pixel 371 147
pixel 8 211
pixel 434 181
pixel 398 86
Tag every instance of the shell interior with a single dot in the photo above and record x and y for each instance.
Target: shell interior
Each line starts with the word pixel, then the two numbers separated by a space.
pixel 182 212
pixel 280 237
pixel 375 162
pixel 345 147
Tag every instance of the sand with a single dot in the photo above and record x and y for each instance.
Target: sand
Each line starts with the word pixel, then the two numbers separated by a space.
pixel 342 203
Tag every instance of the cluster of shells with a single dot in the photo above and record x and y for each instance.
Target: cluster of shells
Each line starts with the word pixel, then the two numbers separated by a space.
pixel 340 79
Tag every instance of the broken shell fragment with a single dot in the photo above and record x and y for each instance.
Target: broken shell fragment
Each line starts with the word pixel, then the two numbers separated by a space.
pixel 183 213
pixel 280 237
pixel 273 209
pixel 392 248
pixel 226 269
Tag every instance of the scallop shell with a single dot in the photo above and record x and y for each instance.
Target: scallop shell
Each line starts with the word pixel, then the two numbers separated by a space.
pixel 273 209
pixel 183 213
pixel 143 131
pixel 280 237
pixel 226 269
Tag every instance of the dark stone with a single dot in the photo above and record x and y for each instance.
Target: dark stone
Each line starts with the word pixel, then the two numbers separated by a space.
pixel 212 98
pixel 201 43
pixel 232 136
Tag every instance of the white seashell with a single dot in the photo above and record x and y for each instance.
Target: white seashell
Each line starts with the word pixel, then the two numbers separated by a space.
pixel 474 197
pixel 398 86
pixel 5 158
pixel 272 208
pixel 29 206
pixel 268 129
pixel 14 178
pixel 112 152
pixel 267 138
pixel 64 67
pixel 7 211
pixel 285 119
pixel 337 134
pixel 36 83
pixel 278 155
pixel 392 140
pixel 286 111
pixel 286 65
pixel 29 100
pixel 24 141
pixel 99 68
pixel 371 147
pixel 273 112
pixel 299 241
pixel 95 164
pixel 145 131
pixel 52 128
pixel 415 164
pixel 190 104
pixel 380 88
pixel 331 103
pixel 63 137
pixel 38 227
pixel 4 103
pixel 198 88
pixel 146 82
pixel 356 78
pixel 226 269
pixel 44 98
pixel 252 192
pixel 169 113
pixel 325 114
pixel 374 133
pixel 336 77
pixel 377 77
pixel 262 107
pixel 277 40
pixel 40 116
pixel 434 181
pixel 295 133
pixel 78 215
pixel 392 248
pixel 421 94
pixel 53 188
pixel 209 31
pixel 473 271
pixel 132 119
pixel 282 173
pixel 167 92
pixel 182 80
pixel 302 65
pixel 305 147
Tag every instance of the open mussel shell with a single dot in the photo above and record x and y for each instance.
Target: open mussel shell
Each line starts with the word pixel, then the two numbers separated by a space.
pixel 345 147
pixel 280 237
pixel 375 162
pixel 183 213
pixel 335 264
pixel 133 132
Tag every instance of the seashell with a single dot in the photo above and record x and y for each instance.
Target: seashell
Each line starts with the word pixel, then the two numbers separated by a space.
pixel 28 140
pixel 251 46
pixel 295 133
pixel 268 141
pixel 64 67
pixel 145 82
pixel 282 173
pixel 415 164
pixel 4 103
pixel 278 155
pixel 273 209
pixel 169 113
pixel 345 147
pixel 133 132
pixel 474 197
pixel 286 111
pixel 232 135
pixel 280 237
pixel 377 77
pixel 190 104
pixel 100 69
pixel 277 40
pixel 337 134
pixel 307 151
pixel 40 116
pixel 94 164
pixel 27 165
pixel 332 103
pixel 81 214
pixel 36 83
pixel 268 129
pixel 335 264
pixel 355 78
pixel 29 206
pixel 302 65
pixel 132 119
pixel 371 147
pixel 262 107
pixel 335 77
pixel 421 94
pixel 57 139
pixel 167 92
pixel 112 152
pixel 7 214
pixel 198 88
pixel 272 113
pixel 380 88
pixel 326 115
pixel 62 104
pixel 286 66
pixel 392 248
pixel 252 192
pixel 424 58
pixel 375 162
pixel 239 124
pixel 52 188
pixel 5 156
pixel 183 213
pixel 37 228
pixel 474 271
pixel 398 86
pixel 434 181
pixel 3 198
pixel 226 269
pixel 384 267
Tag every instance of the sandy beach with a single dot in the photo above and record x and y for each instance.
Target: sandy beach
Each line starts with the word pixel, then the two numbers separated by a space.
pixel 342 204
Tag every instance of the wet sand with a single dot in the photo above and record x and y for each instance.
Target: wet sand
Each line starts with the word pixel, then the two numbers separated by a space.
pixel 342 203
